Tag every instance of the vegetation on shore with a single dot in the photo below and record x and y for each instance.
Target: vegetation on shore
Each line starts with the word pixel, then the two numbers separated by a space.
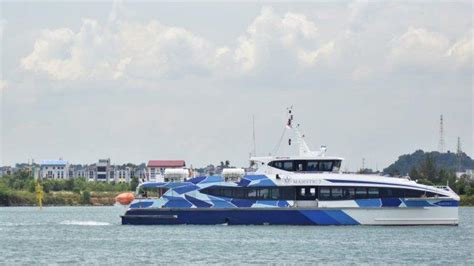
pixel 434 168
pixel 19 190
pixel 467 200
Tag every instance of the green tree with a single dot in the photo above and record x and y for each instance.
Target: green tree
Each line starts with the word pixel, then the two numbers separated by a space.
pixel 134 183
pixel 86 197
pixel 428 168
pixel 4 195
pixel 414 174
pixel 69 184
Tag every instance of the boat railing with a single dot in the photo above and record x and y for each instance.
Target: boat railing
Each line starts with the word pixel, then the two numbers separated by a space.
pixel 447 188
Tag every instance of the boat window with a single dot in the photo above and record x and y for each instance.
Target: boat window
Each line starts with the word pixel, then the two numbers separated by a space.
pixel 312 166
pixel 299 166
pixel 348 193
pixel 409 193
pixel 151 192
pixel 373 193
pixel 302 191
pixel 307 193
pixel 252 193
pixel 336 193
pixel 274 193
pixel 361 193
pixel 262 193
pixel 277 164
pixel 307 165
pixel 288 166
pixel 324 193
pixel 325 166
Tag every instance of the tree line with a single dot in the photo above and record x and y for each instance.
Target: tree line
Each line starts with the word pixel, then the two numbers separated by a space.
pixel 16 185
pixel 433 168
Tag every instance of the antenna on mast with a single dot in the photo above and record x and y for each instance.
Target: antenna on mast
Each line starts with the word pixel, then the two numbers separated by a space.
pixel 303 147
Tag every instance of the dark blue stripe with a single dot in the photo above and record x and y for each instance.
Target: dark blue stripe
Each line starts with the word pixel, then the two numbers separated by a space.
pixel 374 183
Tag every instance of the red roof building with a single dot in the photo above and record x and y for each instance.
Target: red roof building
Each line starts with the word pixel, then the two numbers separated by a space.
pixel 166 163
pixel 156 168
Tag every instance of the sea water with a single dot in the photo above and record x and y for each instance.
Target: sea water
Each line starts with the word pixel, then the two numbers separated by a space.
pixel 83 235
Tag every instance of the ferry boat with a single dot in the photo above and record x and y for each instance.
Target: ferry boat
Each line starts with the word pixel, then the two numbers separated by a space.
pixel 307 189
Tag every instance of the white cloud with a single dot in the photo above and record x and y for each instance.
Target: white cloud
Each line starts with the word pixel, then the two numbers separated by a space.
pixel 418 47
pixel 272 39
pixel 121 50
pixel 430 50
pixel 129 50
pixel 274 45
pixel 462 51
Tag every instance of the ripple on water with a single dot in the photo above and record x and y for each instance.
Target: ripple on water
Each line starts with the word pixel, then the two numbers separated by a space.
pixel 94 235
pixel 86 223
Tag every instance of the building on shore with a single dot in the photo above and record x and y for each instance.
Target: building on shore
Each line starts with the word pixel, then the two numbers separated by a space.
pixel 102 171
pixel 469 173
pixel 54 169
pixel 156 168
pixel 122 173
pixel 140 171
pixel 6 170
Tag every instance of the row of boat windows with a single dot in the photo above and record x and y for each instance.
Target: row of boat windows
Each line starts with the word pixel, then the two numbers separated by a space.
pixel 307 165
pixel 313 193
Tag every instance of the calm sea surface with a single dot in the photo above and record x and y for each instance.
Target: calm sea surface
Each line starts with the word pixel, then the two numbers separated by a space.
pixel 80 235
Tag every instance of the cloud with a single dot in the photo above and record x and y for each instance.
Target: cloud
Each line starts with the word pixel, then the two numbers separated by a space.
pixel 129 50
pixel 418 46
pixel 120 50
pixel 462 51
pixel 286 41
pixel 273 47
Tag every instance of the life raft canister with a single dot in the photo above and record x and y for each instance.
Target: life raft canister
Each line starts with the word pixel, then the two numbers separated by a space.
pixel 125 198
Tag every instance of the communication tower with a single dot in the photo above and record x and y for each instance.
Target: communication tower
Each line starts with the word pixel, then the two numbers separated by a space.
pixel 441 135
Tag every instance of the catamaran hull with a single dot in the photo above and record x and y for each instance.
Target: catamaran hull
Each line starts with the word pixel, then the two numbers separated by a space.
pixel 293 216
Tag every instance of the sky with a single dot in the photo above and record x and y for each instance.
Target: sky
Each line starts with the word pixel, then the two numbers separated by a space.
pixel 134 81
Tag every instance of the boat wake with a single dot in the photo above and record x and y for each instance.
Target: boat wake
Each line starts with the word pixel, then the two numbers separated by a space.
pixel 86 223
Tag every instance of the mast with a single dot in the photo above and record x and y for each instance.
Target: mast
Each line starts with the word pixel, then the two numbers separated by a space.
pixel 303 147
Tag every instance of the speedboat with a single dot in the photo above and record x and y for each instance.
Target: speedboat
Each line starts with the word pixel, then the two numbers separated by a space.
pixel 306 189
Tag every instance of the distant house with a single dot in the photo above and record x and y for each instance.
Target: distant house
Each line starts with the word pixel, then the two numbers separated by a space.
pixel 6 170
pixel 469 173
pixel 156 168
pixel 122 174
pixel 54 169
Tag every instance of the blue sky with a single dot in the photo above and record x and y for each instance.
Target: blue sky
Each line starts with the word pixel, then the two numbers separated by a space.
pixel 152 80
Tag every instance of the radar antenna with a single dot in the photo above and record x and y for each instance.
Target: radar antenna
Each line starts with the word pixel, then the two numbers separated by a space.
pixel 303 147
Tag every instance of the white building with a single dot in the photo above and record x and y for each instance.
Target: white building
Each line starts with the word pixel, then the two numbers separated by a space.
pixel 469 173
pixel 103 171
pixel 122 174
pixel 54 169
